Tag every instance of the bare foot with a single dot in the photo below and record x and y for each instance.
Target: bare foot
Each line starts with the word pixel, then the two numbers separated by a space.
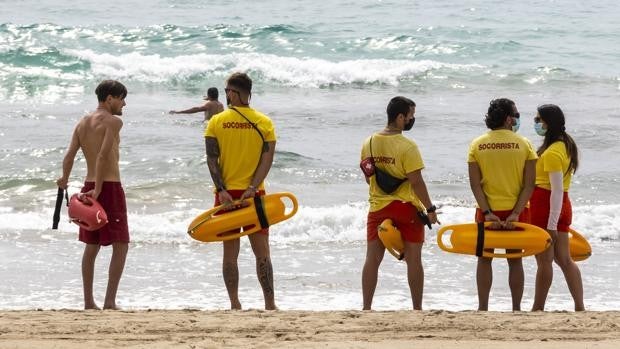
pixel 112 307
pixel 235 306
pixel 271 307
pixel 92 306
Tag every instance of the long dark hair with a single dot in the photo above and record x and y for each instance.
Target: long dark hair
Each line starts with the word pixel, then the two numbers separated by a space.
pixel 553 116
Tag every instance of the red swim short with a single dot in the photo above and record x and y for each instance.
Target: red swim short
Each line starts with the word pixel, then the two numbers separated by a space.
pixel 540 206
pixel 236 194
pixel 403 215
pixel 112 199
pixel 524 217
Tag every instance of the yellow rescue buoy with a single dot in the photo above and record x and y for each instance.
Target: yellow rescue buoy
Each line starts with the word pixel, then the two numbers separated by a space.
pixel 217 224
pixel 524 240
pixel 579 247
pixel 391 239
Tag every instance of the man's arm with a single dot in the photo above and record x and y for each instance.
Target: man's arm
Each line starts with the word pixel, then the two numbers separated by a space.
pixel 190 110
pixel 529 182
pixel 67 162
pixel 419 188
pixel 264 165
pixel 212 149
pixel 475 183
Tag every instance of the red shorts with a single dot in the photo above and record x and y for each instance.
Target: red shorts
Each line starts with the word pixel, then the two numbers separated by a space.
pixel 403 215
pixel 540 205
pixel 236 194
pixel 524 217
pixel 112 199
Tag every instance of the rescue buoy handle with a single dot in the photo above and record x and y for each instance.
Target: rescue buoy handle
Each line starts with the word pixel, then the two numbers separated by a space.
pixel 293 201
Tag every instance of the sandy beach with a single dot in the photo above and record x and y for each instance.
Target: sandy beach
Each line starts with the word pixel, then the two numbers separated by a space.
pixel 306 329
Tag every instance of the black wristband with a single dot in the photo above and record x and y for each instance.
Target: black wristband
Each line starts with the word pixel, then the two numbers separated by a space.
pixel 486 212
pixel 219 190
pixel 431 209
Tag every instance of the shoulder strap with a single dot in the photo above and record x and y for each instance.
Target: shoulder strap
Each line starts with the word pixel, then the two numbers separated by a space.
pixel 265 147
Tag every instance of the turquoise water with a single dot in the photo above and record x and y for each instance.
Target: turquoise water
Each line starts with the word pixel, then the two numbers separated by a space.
pixel 324 74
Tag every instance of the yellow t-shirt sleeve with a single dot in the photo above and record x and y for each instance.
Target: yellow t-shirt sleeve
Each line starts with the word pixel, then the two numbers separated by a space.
pixel 414 161
pixel 552 161
pixel 470 154
pixel 269 132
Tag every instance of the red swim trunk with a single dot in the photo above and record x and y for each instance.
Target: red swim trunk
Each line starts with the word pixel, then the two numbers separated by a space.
pixel 403 215
pixel 540 205
pixel 524 217
pixel 112 199
pixel 236 194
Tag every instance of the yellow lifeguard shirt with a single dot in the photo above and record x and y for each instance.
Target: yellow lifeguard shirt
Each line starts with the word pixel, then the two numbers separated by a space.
pixel 396 155
pixel 501 156
pixel 554 159
pixel 240 145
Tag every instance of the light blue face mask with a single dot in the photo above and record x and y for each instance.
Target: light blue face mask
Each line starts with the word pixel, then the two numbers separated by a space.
pixel 538 127
pixel 515 127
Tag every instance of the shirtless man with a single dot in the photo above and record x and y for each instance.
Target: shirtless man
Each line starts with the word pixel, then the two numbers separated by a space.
pixel 97 134
pixel 211 107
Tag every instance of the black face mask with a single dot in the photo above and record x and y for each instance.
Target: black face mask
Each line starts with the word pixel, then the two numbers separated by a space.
pixel 409 125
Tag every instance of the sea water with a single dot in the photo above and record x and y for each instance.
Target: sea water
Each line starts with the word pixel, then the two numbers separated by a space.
pixel 324 74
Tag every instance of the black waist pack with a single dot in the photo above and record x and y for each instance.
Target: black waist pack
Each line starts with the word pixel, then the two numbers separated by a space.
pixel 387 182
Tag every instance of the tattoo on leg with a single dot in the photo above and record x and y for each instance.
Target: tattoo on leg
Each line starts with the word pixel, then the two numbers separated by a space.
pixel 231 277
pixel 265 276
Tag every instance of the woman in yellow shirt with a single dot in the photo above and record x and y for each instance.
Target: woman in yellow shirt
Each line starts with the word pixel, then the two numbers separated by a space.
pixel 550 206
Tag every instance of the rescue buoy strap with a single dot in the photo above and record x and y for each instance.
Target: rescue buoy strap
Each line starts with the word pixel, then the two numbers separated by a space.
pixel 480 240
pixel 260 212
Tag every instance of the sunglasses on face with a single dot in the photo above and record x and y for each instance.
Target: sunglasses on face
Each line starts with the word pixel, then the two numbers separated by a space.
pixel 516 115
pixel 537 119
pixel 230 90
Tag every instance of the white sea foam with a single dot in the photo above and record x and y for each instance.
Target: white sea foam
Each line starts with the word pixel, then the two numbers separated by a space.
pixel 291 71
pixel 342 223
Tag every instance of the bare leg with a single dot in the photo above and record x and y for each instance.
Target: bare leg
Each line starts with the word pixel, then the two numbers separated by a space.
pixel 230 270
pixel 264 270
pixel 88 274
pixel 374 256
pixel 515 281
pixel 570 270
pixel 415 272
pixel 117 265
pixel 484 279
pixel 544 278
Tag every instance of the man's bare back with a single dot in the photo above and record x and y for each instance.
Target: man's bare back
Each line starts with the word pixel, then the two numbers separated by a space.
pixel 212 107
pixel 91 133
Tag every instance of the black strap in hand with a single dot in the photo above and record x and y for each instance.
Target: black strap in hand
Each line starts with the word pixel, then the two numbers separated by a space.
pixel 425 220
pixel 480 240
pixel 59 198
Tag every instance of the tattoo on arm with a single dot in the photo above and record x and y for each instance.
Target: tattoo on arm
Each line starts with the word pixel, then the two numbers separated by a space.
pixel 213 155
